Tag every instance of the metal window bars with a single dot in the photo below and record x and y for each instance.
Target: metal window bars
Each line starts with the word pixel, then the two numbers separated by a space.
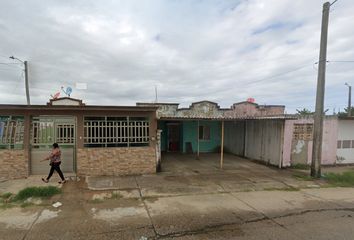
pixel 116 132
pixel 45 131
pixel 11 133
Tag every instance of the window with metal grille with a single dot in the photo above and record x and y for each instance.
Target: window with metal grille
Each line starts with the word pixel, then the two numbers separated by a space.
pixel 11 132
pixel 204 133
pixel 346 143
pixel 116 131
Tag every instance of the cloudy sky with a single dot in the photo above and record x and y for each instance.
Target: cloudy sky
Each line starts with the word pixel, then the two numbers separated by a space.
pixel 223 51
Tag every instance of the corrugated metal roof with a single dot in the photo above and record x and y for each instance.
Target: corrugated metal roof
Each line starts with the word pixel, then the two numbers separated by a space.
pixel 228 118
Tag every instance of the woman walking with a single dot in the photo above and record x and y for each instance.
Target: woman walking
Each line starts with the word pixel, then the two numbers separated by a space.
pixel 55 162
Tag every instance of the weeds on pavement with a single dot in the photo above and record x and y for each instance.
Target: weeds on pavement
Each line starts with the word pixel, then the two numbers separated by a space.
pixel 300 166
pixel 39 192
pixel 8 200
pixel 345 179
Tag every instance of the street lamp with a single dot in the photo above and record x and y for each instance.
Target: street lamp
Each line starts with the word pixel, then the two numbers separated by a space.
pixel 26 78
pixel 349 110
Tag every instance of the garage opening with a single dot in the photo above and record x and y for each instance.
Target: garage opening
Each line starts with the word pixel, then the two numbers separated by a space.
pixel 215 144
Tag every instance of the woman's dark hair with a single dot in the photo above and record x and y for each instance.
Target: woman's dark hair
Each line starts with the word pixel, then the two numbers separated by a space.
pixel 55 145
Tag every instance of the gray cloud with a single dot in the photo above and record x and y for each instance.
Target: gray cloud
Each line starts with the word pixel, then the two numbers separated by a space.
pixel 224 51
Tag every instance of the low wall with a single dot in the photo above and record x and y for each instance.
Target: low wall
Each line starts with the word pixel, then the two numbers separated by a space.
pixel 13 164
pixel 300 151
pixel 116 161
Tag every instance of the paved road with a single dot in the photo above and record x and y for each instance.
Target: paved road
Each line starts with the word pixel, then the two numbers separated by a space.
pixel 191 199
pixel 307 214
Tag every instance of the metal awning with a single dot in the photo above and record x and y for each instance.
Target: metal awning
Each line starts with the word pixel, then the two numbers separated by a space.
pixel 230 118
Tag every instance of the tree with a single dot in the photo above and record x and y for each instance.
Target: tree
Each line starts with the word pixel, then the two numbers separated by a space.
pixel 345 113
pixel 304 112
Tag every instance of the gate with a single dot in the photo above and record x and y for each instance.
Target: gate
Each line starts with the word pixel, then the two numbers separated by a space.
pixel 45 131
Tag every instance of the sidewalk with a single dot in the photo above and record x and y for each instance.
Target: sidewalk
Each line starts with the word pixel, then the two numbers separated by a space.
pixel 15 185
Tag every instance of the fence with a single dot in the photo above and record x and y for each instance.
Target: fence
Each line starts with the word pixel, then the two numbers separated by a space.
pixel 116 131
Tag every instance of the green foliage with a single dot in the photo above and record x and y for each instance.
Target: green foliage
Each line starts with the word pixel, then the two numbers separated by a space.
pixel 345 179
pixel 287 189
pixel 40 192
pixel 304 112
pixel 116 195
pixel 300 166
pixel 303 177
pixel 96 201
pixel 345 113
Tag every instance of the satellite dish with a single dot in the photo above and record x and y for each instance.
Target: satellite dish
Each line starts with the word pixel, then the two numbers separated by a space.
pixel 68 91
pixel 55 95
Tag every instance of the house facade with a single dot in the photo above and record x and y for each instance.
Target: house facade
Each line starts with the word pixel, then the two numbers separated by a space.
pixel 128 140
pixel 245 129
pixel 95 140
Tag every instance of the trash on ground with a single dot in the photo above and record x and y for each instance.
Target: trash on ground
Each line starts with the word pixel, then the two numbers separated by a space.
pixel 57 204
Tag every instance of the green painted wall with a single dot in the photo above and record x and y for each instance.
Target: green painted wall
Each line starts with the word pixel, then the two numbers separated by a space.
pixel 190 133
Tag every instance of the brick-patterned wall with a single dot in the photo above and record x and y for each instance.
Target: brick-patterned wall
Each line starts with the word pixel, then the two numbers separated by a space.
pixel 13 164
pixel 116 161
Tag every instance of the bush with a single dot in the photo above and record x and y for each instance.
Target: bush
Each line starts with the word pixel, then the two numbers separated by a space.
pixel 40 192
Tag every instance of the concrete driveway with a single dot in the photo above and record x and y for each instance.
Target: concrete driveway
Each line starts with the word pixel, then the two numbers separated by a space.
pixel 190 200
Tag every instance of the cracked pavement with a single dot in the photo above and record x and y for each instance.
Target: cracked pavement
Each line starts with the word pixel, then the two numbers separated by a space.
pixel 207 204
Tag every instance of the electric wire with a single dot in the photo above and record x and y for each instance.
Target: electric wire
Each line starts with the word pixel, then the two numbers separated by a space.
pixel 333 2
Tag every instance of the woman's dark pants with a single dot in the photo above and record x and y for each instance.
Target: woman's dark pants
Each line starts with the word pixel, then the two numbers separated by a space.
pixel 56 167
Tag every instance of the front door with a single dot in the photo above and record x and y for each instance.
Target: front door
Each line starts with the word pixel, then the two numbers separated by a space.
pixel 47 130
pixel 173 130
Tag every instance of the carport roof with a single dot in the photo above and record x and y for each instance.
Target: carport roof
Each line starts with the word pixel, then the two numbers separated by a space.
pixel 230 118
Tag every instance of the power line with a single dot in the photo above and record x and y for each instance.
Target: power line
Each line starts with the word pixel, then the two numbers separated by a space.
pixel 345 61
pixel 279 75
pixel 333 2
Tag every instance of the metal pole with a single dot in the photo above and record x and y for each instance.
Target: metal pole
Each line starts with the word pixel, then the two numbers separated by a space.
pixel 26 84
pixel 198 141
pixel 350 101
pixel 222 146
pixel 318 118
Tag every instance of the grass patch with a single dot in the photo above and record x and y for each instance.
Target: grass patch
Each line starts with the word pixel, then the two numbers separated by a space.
pixel 288 189
pixel 300 166
pixel 26 204
pixel 6 195
pixel 95 201
pixel 303 177
pixel 37 192
pixel 116 195
pixel 6 206
pixel 345 179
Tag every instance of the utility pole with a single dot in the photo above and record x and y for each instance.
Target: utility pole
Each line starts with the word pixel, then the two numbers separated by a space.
pixel 349 100
pixel 318 118
pixel 26 83
pixel 26 78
